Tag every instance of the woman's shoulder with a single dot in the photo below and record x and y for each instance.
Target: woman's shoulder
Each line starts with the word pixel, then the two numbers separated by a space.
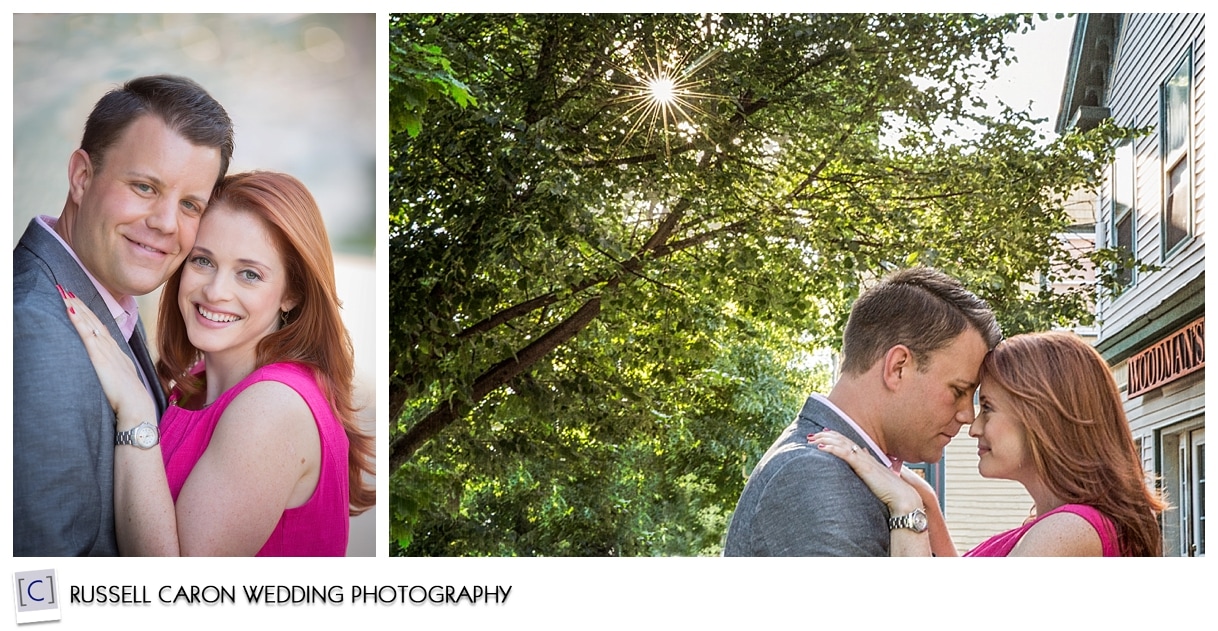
pixel 1070 530
pixel 294 375
pixel 279 381
pixel 1086 511
pixel 277 371
pixel 269 408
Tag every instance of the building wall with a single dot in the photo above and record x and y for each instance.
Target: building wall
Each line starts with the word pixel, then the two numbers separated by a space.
pixel 1168 422
pixel 1150 48
pixel 1173 403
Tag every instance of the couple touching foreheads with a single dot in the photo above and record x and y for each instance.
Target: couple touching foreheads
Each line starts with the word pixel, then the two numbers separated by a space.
pixel 241 439
pixel 917 346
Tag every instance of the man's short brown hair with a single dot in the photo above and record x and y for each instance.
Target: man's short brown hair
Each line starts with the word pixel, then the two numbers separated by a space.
pixel 183 105
pixel 920 307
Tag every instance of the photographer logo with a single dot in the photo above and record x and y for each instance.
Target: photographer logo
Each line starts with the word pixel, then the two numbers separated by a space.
pixel 36 597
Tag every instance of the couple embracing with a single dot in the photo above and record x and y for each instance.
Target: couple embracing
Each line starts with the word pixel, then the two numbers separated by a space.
pixel 241 439
pixel 917 346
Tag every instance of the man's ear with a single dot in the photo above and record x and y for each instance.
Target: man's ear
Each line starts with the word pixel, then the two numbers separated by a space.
pixel 897 360
pixel 80 174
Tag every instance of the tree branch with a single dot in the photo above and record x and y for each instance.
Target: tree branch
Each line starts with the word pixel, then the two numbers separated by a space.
pixel 634 263
pixel 407 443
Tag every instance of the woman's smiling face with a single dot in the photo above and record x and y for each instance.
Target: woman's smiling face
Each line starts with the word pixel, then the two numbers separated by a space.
pixel 1002 442
pixel 234 283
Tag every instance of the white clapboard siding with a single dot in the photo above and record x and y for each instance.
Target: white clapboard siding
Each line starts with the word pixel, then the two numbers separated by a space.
pixel 1152 45
pixel 1177 401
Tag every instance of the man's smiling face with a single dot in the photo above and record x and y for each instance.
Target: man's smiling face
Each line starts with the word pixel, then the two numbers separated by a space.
pixel 138 211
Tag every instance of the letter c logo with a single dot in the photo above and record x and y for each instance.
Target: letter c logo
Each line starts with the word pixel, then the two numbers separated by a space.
pixel 30 593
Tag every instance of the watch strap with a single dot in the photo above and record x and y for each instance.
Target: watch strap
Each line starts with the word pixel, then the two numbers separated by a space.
pixel 128 437
pixel 908 521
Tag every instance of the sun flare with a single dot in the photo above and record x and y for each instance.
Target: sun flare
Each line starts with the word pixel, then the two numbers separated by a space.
pixel 662 90
pixel 664 95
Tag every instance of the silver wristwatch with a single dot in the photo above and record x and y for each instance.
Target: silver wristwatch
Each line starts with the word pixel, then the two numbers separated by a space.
pixel 145 436
pixel 915 521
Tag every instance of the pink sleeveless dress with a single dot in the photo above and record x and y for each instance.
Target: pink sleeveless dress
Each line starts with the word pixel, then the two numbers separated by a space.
pixel 320 526
pixel 1000 545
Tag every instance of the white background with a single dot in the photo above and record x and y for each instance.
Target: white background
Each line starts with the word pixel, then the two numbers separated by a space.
pixel 902 594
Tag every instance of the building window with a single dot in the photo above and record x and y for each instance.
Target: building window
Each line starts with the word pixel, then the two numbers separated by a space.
pixel 1183 478
pixel 1123 178
pixel 1177 221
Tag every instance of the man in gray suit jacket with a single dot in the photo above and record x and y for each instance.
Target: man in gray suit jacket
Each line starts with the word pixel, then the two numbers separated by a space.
pixel 151 153
pixel 911 352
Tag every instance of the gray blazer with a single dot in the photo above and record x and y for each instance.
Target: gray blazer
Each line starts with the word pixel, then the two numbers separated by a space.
pixel 63 427
pixel 800 501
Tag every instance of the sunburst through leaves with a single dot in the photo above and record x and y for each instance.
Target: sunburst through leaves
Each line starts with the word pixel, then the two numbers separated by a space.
pixel 664 95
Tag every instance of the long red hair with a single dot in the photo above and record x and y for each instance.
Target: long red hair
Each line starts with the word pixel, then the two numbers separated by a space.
pixel 313 333
pixel 1077 433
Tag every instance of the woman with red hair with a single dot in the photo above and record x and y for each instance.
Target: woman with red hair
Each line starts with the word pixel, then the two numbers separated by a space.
pixel 1051 419
pixel 259 452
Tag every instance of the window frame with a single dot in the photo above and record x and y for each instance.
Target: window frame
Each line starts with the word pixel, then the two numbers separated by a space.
pixel 1175 158
pixel 1181 473
pixel 1116 214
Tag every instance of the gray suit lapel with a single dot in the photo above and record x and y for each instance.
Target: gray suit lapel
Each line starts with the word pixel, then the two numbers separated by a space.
pixel 143 360
pixel 68 274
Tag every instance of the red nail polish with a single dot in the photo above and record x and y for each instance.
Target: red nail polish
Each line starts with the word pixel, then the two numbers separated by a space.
pixel 71 311
pixel 62 292
pixel 71 295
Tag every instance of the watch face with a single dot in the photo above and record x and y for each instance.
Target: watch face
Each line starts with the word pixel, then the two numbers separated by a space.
pixel 919 521
pixel 145 437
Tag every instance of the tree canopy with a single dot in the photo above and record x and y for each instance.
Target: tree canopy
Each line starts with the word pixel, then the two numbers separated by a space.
pixel 617 243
